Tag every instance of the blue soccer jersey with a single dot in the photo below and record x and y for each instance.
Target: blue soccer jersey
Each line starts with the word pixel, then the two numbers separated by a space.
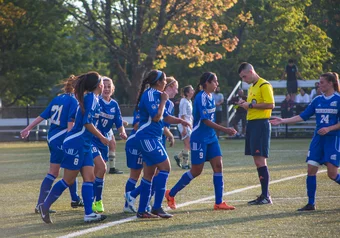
pixel 60 111
pixel 148 108
pixel 79 136
pixel 204 108
pixel 326 110
pixel 109 114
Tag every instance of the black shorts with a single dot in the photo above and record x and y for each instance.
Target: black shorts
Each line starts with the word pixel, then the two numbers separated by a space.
pixel 258 138
pixel 240 117
pixel 292 86
pixel 218 119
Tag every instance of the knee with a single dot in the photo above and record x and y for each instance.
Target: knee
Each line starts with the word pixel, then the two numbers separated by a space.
pixel 332 175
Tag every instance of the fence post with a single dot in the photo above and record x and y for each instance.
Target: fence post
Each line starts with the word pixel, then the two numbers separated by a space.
pixel 28 118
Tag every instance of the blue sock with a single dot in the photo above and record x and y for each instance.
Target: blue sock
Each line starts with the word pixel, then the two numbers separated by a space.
pixel 87 193
pixel 134 193
pixel 337 179
pixel 311 189
pixel 144 195
pixel 55 193
pixel 129 186
pixel 98 188
pixel 184 181
pixel 219 186
pixel 264 180
pixel 159 184
pixel 74 191
pixel 45 187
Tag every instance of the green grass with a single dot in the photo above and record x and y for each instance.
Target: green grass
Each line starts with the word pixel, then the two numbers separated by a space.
pixel 24 165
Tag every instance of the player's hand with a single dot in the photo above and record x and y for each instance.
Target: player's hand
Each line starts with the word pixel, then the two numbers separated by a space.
pixel 276 121
pixel 230 131
pixel 125 123
pixel 171 140
pixel 105 141
pixel 24 133
pixel 186 124
pixel 323 131
pixel 123 135
pixel 164 96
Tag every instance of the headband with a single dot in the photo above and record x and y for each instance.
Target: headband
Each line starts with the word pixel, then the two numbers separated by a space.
pixel 159 74
pixel 170 83
pixel 210 74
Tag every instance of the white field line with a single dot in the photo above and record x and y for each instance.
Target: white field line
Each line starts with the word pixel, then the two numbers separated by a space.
pixel 114 223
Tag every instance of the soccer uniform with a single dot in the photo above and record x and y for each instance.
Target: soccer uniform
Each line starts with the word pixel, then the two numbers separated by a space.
pixel 77 144
pixel 60 111
pixel 185 109
pixel 150 132
pixel 134 159
pixel 169 107
pixel 324 148
pixel 258 127
pixel 203 141
pixel 109 114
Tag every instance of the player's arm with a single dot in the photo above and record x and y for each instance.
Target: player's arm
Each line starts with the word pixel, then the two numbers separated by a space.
pixel 122 132
pixel 325 130
pixel 91 128
pixel 25 132
pixel 230 131
pixel 283 77
pixel 158 116
pixel 169 136
pixel 175 120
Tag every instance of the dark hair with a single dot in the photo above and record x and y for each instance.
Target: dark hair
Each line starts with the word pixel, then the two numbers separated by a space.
pixel 334 78
pixel 206 77
pixel 186 90
pixel 86 83
pixel 69 84
pixel 151 79
pixel 290 61
pixel 244 66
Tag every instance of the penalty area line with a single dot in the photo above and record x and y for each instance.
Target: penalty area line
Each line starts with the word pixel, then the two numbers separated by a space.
pixel 115 223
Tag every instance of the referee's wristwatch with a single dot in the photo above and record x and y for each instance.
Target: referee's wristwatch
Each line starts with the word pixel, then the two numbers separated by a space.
pixel 250 105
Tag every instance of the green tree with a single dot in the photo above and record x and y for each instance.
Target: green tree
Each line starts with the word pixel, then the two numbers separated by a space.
pixel 141 34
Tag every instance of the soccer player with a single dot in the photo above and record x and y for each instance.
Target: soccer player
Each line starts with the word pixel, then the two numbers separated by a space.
pixel 324 147
pixel 109 115
pixel 259 105
pixel 204 143
pixel 77 147
pixel 151 105
pixel 185 112
pixel 61 112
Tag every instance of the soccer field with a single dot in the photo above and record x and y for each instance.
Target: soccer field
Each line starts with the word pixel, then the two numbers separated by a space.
pixel 24 165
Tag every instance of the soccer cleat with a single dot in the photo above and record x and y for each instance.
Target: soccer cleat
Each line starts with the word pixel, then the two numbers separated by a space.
pixel 36 210
pixel 223 206
pixel 130 201
pixel 77 204
pixel 45 215
pixel 94 217
pixel 261 200
pixel 308 207
pixel 146 215
pixel 170 200
pixel 178 161
pixel 115 171
pixel 161 213
pixel 186 166
pixel 128 210
pixel 99 207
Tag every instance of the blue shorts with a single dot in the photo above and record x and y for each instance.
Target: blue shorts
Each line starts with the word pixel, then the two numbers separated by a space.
pixel 56 151
pixel 102 151
pixel 152 150
pixel 75 155
pixel 324 149
pixel 201 151
pixel 258 138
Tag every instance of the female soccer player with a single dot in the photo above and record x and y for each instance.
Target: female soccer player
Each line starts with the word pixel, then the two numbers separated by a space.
pixel 324 147
pixel 61 112
pixel 109 115
pixel 151 104
pixel 185 112
pixel 204 143
pixel 77 147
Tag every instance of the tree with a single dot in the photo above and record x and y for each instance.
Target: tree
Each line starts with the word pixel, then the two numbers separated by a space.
pixel 39 47
pixel 140 34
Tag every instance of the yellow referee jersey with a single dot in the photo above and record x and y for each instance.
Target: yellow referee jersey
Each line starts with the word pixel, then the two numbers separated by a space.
pixel 260 92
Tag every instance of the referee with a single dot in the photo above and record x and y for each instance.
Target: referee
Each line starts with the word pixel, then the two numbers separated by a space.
pixel 259 106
